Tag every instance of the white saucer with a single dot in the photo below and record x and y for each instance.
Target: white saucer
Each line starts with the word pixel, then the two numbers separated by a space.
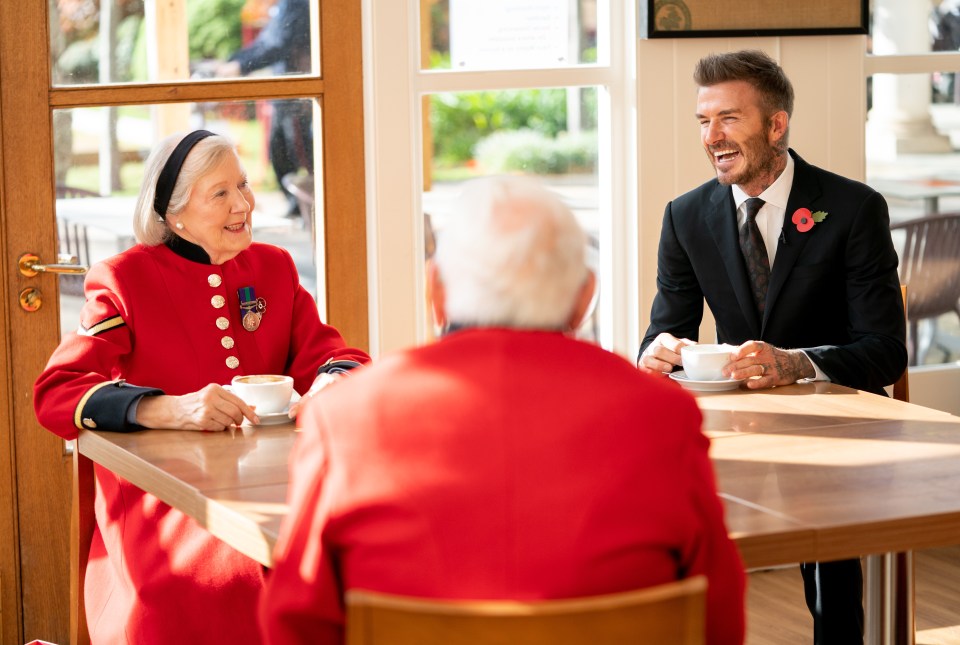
pixel 705 386
pixel 275 418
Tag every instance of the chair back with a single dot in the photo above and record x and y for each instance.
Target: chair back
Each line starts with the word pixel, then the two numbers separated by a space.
pixel 72 240
pixel 82 523
pixel 302 188
pixel 72 192
pixel 669 613
pixel 901 389
pixel 930 265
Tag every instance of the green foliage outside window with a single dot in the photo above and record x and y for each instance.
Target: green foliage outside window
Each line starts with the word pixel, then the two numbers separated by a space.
pixel 214 28
pixel 527 151
pixel 513 130
pixel 460 121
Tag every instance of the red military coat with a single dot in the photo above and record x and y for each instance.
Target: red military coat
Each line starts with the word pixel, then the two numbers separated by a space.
pixel 498 464
pixel 157 319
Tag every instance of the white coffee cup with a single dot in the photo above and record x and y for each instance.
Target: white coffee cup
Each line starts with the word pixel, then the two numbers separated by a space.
pixel 267 393
pixel 705 362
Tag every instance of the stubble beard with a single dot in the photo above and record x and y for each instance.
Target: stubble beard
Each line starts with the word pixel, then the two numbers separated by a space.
pixel 762 161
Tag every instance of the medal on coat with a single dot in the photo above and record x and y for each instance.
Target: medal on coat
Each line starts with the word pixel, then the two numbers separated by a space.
pixel 251 308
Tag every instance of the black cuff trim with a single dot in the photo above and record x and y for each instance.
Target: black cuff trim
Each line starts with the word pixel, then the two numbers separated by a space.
pixel 106 408
pixel 337 367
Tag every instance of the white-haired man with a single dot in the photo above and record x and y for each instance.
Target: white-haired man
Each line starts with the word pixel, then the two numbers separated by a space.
pixel 507 460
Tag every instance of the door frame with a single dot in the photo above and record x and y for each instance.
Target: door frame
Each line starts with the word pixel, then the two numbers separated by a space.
pixel 35 470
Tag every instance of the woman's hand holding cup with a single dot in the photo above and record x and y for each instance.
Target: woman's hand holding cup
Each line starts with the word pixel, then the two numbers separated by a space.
pixel 210 409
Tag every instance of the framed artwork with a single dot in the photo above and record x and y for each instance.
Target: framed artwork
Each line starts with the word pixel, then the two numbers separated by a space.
pixel 708 18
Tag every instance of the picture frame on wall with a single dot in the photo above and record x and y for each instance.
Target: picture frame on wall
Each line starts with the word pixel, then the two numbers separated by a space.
pixel 711 18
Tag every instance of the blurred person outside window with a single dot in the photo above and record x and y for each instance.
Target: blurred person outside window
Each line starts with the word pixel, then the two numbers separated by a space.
pixel 283 45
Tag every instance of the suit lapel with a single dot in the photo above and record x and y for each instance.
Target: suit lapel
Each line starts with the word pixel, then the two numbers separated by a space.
pixel 804 192
pixel 722 221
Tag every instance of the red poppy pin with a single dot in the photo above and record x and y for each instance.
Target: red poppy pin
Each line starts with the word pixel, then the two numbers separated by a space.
pixel 805 220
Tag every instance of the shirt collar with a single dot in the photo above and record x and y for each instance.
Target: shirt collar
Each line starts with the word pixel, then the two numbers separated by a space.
pixel 776 194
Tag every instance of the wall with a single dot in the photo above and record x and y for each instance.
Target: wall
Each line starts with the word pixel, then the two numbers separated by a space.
pixel 936 386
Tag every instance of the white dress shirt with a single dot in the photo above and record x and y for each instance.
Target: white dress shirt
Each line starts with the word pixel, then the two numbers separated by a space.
pixel 770 222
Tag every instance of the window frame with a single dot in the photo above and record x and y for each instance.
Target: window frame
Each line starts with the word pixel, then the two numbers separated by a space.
pixel 397 86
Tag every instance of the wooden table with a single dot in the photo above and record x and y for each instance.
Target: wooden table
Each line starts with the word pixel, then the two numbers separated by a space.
pixel 807 472
pixel 928 189
pixel 234 483
pixel 822 472
pixel 810 471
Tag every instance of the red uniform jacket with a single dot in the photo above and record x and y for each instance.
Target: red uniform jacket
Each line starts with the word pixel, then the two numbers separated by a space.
pixel 159 320
pixel 498 464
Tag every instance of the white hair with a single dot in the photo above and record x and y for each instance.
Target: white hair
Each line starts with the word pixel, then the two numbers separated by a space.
pixel 511 255
pixel 148 227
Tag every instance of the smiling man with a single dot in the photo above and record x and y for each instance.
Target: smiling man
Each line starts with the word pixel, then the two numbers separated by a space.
pixel 796 265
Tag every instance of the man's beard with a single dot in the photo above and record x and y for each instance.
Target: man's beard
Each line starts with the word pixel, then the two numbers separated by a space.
pixel 761 160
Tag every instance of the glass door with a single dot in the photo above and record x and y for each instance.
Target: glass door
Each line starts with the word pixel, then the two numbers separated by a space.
pixel 86 88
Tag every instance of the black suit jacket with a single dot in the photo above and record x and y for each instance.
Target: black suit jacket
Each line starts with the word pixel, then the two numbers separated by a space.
pixel 833 292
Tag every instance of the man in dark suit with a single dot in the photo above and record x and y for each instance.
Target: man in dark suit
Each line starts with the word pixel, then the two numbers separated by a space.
pixel 804 282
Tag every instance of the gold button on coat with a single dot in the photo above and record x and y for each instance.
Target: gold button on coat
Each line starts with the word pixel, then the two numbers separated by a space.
pixel 214 280
pixel 218 302
pixel 223 323
pixel 227 342
pixel 233 362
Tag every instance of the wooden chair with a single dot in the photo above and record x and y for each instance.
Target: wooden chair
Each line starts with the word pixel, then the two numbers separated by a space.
pixel 82 523
pixel 72 241
pixel 930 267
pixel 74 248
pixel 72 192
pixel 302 188
pixel 669 613
pixel 901 389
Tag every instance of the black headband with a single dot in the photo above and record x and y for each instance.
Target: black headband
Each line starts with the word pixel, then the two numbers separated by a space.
pixel 171 170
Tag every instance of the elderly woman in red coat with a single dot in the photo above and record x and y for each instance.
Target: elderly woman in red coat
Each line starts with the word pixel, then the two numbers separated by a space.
pixel 164 324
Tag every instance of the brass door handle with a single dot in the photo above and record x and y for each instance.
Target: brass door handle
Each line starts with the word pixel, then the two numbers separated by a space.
pixel 30 266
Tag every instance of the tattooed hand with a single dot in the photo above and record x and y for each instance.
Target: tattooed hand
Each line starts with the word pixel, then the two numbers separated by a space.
pixel 764 365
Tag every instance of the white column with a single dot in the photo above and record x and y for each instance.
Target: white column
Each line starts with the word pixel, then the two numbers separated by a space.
pixel 899 119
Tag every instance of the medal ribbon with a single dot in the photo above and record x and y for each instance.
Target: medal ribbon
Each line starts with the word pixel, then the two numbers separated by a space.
pixel 248 308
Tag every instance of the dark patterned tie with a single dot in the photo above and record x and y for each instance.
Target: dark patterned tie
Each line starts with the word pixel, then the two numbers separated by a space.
pixel 755 253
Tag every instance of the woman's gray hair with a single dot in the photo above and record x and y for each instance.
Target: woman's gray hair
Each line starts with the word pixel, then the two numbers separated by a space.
pixel 206 155
pixel 511 255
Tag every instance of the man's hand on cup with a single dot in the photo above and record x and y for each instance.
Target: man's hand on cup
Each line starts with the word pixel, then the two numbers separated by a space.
pixel 663 354
pixel 763 365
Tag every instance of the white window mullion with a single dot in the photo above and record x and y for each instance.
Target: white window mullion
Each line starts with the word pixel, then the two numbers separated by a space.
pixel 396 85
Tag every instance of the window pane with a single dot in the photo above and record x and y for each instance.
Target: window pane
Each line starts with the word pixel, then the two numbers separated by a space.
pixel 550 134
pixel 906 27
pixel 99 160
pixel 117 41
pixel 912 162
pixel 509 34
